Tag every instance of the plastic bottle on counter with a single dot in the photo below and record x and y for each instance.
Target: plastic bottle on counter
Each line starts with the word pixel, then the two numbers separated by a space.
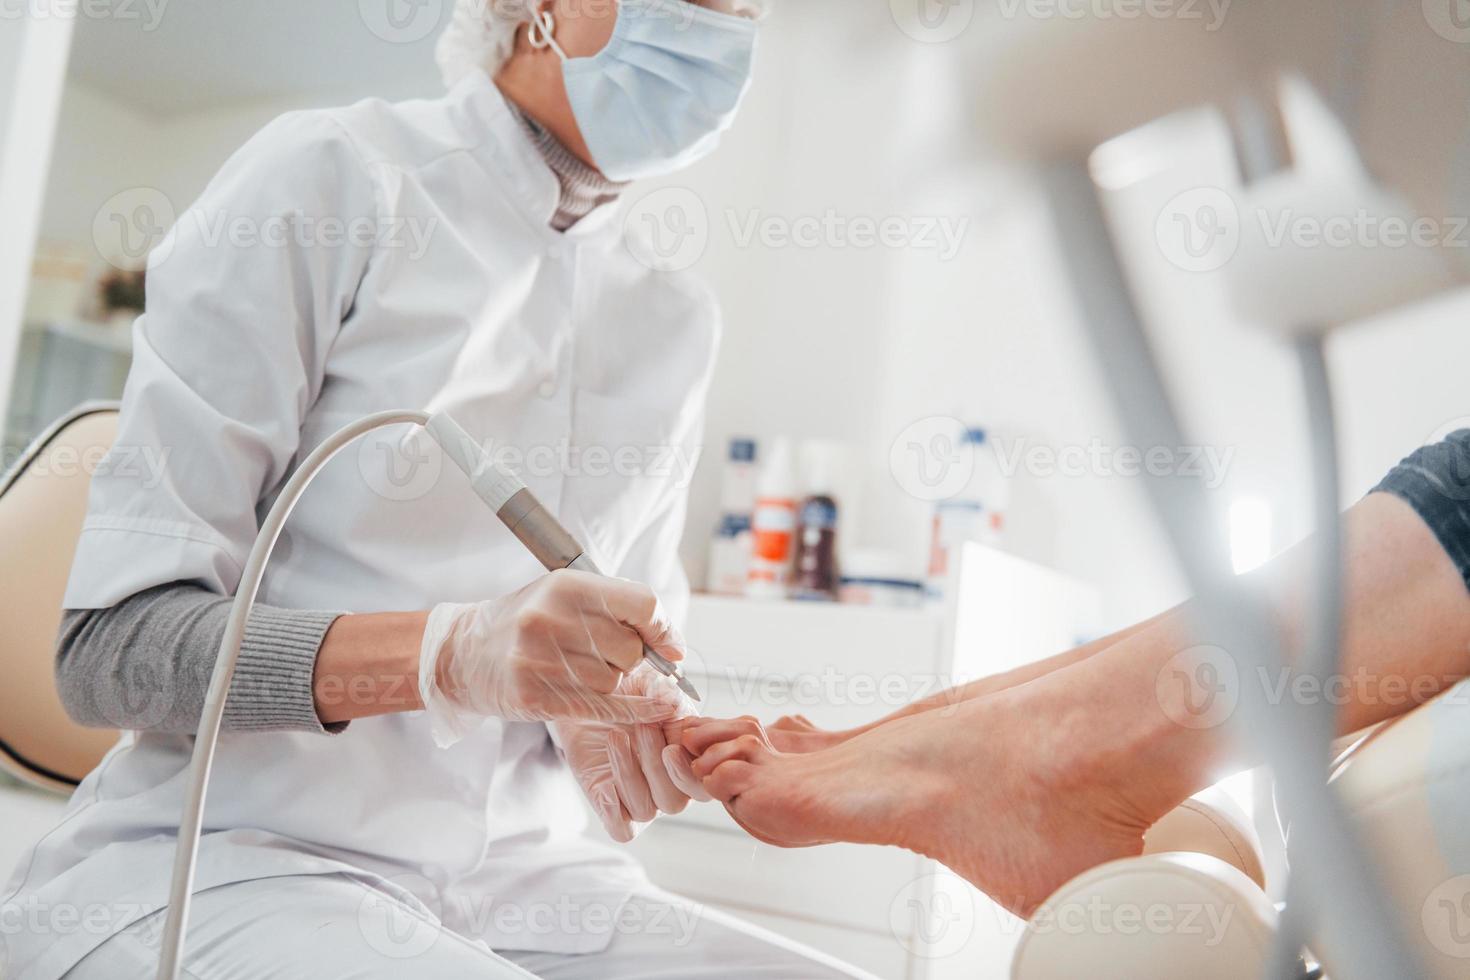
pixel 975 514
pixel 817 576
pixel 774 526
pixel 730 549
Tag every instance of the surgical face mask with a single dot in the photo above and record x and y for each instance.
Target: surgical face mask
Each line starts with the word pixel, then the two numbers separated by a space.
pixel 658 96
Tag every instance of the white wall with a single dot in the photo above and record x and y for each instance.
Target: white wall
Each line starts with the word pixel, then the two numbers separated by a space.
pixel 856 346
pixel 850 116
pixel 105 145
pixel 836 342
pixel 1398 379
pixel 199 142
pixel 1402 379
pixel 821 132
pixel 33 52
pixel 994 337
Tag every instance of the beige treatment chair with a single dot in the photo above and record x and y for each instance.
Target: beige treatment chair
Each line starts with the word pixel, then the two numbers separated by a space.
pixel 43 500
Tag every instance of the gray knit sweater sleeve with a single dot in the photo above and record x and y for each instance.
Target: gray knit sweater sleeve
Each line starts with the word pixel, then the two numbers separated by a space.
pixel 144 664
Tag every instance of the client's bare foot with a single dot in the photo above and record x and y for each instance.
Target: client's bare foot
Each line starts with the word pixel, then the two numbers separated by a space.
pixel 1008 790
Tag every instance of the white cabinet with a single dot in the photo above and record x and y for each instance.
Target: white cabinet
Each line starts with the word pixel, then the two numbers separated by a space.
pixel 899 916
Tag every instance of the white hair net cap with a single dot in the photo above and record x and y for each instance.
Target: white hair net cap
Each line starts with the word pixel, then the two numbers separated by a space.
pixel 482 33
pixel 480 36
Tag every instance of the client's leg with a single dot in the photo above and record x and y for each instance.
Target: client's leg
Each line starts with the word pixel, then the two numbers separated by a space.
pixel 1022 789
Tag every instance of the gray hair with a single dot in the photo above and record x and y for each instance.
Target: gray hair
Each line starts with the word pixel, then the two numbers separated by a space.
pixel 480 37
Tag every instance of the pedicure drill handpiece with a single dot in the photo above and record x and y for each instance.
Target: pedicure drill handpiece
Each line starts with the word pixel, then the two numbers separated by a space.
pixel 531 523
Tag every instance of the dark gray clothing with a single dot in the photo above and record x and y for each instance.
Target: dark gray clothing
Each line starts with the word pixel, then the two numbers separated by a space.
pixel 144 664
pixel 1435 481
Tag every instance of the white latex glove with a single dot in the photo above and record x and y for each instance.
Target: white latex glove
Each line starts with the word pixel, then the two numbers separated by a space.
pixel 556 649
pixel 631 773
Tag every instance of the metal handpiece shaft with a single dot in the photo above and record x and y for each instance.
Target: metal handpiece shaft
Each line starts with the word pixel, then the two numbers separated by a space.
pixel 555 548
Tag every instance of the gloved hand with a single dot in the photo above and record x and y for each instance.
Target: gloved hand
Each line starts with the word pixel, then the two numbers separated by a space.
pixel 556 649
pixel 631 773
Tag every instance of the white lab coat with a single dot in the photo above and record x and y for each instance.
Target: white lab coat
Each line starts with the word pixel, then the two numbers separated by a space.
pixel 252 351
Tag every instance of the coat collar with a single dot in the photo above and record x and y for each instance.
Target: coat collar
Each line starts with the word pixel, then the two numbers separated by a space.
pixel 506 148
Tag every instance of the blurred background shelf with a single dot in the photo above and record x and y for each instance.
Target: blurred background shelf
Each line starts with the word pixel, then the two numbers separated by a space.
pixel 63 363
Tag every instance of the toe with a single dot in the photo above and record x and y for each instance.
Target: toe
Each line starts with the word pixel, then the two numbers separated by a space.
pixel 730 780
pixel 747 748
pixel 698 738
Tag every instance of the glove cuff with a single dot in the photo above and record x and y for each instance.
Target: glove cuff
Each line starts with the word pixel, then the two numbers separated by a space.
pixel 449 723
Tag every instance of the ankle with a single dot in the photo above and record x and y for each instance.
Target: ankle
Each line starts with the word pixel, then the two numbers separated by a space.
pixel 1094 749
pixel 918 823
